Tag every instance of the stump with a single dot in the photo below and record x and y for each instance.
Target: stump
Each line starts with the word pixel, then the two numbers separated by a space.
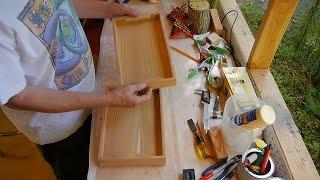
pixel 211 2
pixel 199 14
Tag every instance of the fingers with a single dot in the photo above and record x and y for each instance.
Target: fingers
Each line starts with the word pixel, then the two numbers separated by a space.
pixel 146 96
pixel 137 87
pixel 130 11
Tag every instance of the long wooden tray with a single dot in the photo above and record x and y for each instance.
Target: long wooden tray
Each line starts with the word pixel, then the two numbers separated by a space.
pixel 133 136
pixel 142 51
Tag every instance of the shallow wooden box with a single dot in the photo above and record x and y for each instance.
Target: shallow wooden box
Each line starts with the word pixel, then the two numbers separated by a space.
pixel 133 136
pixel 142 51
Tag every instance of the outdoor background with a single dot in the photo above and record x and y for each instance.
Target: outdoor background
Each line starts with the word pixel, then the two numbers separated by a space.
pixel 296 66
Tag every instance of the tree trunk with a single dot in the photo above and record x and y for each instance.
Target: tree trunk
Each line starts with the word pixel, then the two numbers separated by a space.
pixel 211 3
pixel 199 14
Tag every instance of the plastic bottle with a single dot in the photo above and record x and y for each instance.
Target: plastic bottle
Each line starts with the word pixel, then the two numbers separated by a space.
pixel 256 118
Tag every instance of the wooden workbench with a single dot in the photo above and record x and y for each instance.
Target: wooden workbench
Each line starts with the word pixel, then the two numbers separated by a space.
pixel 180 104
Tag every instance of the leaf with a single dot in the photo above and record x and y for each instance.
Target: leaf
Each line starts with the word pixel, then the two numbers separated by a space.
pixel 222 50
pixel 209 79
pixel 192 73
pixel 209 60
pixel 197 42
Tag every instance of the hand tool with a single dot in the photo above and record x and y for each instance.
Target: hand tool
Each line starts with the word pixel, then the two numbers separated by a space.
pixel 266 155
pixel 222 168
pixel 201 147
pixel 216 111
pixel 205 99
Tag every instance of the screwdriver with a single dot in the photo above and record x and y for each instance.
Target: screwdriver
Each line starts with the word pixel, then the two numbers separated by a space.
pixel 200 145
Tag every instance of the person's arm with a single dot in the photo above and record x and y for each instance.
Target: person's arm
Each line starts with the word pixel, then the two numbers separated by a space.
pixel 101 9
pixel 55 101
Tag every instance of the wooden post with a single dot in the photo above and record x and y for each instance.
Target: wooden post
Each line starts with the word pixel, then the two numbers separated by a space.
pixel 272 28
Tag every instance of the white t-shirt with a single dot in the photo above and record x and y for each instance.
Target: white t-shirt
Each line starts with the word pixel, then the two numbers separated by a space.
pixel 42 44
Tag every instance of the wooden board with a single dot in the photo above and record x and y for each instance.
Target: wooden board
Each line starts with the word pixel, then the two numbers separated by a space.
pixel 133 136
pixel 218 146
pixel 242 38
pixel 142 51
pixel 272 28
pixel 284 135
pixel 185 47
pixel 216 23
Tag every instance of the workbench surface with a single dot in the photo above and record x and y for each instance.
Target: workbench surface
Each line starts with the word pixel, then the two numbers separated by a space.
pixel 179 104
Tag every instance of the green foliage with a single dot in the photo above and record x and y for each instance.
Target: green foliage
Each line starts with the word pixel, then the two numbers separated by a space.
pixel 222 50
pixel 296 67
pixel 308 41
pixel 253 12
pixel 312 103
pixel 192 73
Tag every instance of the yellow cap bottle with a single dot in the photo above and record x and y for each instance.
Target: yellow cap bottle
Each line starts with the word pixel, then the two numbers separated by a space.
pixel 256 118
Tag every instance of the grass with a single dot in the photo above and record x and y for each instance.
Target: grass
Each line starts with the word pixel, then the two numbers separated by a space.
pixel 293 69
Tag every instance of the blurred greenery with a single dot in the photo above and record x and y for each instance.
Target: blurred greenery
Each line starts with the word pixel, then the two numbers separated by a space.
pixel 296 66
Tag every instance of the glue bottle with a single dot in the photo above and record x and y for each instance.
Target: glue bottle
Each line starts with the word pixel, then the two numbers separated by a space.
pixel 256 118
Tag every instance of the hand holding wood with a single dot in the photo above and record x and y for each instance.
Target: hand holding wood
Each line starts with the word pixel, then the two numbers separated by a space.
pixel 117 9
pixel 128 96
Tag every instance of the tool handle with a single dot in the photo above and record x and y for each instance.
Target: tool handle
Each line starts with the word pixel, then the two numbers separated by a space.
pixel 266 155
pixel 216 104
pixel 212 167
pixel 226 171
pixel 207 176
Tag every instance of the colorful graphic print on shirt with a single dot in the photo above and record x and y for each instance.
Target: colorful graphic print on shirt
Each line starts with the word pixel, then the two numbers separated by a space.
pixel 56 24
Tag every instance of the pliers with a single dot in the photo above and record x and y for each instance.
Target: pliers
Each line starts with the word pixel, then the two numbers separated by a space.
pixel 222 168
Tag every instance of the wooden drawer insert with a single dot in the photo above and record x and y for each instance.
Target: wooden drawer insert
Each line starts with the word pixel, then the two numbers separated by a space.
pixel 142 51
pixel 133 136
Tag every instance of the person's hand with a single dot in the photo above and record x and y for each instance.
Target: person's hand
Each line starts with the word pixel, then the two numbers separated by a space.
pixel 117 9
pixel 128 96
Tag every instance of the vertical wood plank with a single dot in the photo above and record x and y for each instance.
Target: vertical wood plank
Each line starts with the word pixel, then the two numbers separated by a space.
pixel 215 22
pixel 272 28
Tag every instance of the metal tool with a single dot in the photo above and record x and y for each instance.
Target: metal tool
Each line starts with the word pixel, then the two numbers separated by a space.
pixel 205 99
pixel 202 149
pixel 216 111
pixel 223 169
